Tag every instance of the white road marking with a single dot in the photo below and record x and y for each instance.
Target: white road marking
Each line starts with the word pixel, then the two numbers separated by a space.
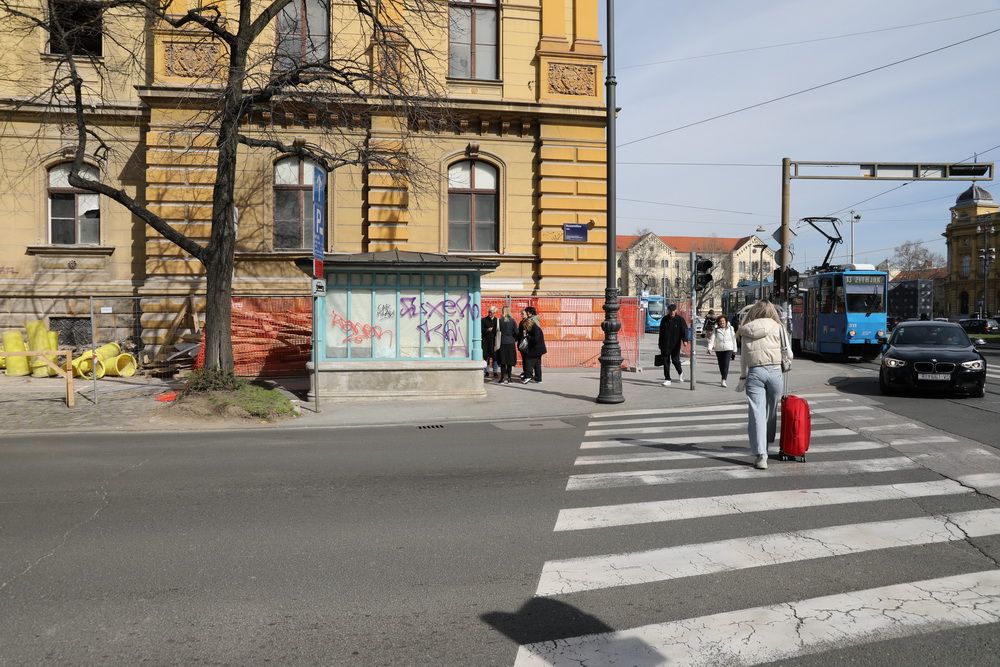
pixel 682 411
pixel 788 630
pixel 926 439
pixel 608 480
pixel 892 427
pixel 572 575
pixel 981 480
pixel 684 440
pixel 710 419
pixel 824 395
pixel 661 511
pixel 823 411
pixel 667 428
pixel 640 457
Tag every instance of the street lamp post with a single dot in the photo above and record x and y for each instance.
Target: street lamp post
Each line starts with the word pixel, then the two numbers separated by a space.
pixel 987 255
pixel 611 352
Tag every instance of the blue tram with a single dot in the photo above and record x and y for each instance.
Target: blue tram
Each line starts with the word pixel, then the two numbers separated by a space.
pixel 840 313
pixel 655 307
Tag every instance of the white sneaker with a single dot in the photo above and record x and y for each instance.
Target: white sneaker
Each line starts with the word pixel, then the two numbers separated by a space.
pixel 667 383
pixel 681 378
pixel 724 384
pixel 761 462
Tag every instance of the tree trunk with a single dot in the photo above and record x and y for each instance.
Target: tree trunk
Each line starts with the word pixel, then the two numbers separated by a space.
pixel 218 312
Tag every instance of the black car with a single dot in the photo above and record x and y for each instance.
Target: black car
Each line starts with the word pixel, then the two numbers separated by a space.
pixel 932 355
pixel 980 326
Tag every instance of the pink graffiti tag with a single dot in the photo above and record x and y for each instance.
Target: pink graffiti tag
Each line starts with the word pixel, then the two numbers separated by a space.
pixel 358 332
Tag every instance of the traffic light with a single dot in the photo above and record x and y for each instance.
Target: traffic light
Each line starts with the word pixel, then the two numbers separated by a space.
pixel 702 275
pixel 790 285
pixel 793 281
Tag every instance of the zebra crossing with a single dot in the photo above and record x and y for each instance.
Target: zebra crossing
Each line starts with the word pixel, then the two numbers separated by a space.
pixel 692 465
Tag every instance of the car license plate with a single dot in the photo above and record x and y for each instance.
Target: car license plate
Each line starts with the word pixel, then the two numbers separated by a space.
pixel 934 376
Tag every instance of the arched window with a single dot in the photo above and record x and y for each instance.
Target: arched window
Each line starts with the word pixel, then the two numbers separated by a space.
pixel 472 39
pixel 293 203
pixel 963 303
pixel 472 207
pixel 74 215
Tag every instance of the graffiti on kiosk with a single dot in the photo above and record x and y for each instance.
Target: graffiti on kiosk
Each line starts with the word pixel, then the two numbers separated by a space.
pixel 454 313
pixel 461 307
pixel 385 311
pixel 359 332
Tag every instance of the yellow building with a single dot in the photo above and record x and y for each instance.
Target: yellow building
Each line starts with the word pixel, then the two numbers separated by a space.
pixel 524 155
pixel 975 224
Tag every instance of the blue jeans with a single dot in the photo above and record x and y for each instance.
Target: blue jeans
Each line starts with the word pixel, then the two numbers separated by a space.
pixel 764 386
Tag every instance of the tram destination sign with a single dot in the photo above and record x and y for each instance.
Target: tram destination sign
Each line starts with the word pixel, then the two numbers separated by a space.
pixel 864 280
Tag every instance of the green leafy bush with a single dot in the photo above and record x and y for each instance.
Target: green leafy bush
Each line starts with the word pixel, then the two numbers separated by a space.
pixel 213 379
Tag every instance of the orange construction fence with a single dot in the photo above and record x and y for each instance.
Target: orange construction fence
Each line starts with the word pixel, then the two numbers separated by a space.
pixel 271 336
pixel 572 326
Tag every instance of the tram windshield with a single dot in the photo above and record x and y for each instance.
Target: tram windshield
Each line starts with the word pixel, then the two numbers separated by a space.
pixel 655 308
pixel 865 294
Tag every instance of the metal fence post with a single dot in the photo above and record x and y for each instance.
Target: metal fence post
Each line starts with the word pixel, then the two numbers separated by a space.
pixel 93 346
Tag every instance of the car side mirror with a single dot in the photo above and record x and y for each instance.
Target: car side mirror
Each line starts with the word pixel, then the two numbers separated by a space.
pixel 979 342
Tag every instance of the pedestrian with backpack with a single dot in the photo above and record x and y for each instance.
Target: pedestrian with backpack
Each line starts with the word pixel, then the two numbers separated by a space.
pixel 762 336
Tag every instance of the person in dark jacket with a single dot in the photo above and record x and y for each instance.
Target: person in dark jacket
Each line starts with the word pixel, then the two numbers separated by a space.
pixel 673 333
pixel 507 331
pixel 490 342
pixel 532 356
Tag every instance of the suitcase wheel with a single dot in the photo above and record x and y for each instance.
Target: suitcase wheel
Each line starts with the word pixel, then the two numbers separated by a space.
pixel 788 457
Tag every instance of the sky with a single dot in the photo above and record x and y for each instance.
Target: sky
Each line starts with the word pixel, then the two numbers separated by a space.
pixel 941 108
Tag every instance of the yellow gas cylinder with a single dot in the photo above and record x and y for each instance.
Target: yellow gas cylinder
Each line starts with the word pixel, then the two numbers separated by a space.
pixel 13 341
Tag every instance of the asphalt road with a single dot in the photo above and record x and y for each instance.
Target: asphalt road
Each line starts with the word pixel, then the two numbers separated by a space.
pixel 370 547
pixel 406 546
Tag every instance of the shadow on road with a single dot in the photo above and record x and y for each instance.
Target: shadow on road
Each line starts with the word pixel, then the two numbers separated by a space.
pixel 546 620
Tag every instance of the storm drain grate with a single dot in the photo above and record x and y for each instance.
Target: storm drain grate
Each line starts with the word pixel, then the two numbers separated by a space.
pixel 430 426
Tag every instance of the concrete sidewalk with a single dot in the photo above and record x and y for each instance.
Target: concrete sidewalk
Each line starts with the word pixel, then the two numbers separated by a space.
pixel 36 406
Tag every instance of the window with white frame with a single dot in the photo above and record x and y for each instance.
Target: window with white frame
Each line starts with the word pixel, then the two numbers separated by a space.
pixel 473 220
pixel 472 39
pixel 74 215
pixel 303 35
pixel 293 203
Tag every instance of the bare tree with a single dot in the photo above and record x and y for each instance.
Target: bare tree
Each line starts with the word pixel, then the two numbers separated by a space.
pixel 912 255
pixel 722 268
pixel 381 68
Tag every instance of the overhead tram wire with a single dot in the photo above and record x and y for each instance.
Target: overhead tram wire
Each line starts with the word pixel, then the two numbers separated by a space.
pixel 700 208
pixel 807 90
pixel 702 164
pixel 806 41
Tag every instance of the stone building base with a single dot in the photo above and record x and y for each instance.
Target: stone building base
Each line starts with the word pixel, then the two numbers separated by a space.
pixel 367 380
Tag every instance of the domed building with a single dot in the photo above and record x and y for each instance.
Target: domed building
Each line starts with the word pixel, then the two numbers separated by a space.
pixel 975 224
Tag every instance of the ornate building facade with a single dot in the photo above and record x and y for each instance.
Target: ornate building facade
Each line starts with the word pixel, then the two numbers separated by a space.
pixel 974 225
pixel 524 155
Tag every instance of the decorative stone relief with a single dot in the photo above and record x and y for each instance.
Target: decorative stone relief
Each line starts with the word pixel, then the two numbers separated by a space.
pixel 191 59
pixel 566 79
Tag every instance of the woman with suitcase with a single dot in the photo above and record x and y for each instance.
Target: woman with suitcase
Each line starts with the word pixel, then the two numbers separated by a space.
pixel 761 375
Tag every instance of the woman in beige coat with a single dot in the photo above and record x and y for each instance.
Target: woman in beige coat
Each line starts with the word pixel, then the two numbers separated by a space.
pixel 760 374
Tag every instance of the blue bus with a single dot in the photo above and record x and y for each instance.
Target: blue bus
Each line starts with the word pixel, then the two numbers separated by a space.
pixel 654 312
pixel 840 313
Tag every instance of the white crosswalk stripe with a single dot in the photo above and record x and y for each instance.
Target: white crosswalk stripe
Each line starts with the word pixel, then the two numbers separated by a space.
pixel 776 632
pixel 682 439
pixel 643 457
pixel 607 480
pixel 589 573
pixel 661 511
pixel 679 449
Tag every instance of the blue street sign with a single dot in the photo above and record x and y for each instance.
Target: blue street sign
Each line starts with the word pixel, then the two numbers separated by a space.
pixel 575 232
pixel 319 220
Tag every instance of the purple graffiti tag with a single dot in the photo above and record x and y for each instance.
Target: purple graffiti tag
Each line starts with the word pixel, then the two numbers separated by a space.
pixel 408 306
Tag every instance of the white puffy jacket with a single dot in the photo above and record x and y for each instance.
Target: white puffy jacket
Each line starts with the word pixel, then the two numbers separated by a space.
pixel 761 344
pixel 722 340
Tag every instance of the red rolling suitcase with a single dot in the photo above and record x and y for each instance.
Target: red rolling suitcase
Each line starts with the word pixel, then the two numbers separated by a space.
pixel 796 428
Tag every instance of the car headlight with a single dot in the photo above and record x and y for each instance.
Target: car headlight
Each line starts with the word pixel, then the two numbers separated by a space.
pixel 852 333
pixel 893 363
pixel 974 365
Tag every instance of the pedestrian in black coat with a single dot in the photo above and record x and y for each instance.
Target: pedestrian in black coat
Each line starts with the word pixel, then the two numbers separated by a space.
pixel 509 334
pixel 490 342
pixel 532 356
pixel 673 334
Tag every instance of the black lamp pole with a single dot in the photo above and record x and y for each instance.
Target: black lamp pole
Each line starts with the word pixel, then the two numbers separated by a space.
pixel 611 351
